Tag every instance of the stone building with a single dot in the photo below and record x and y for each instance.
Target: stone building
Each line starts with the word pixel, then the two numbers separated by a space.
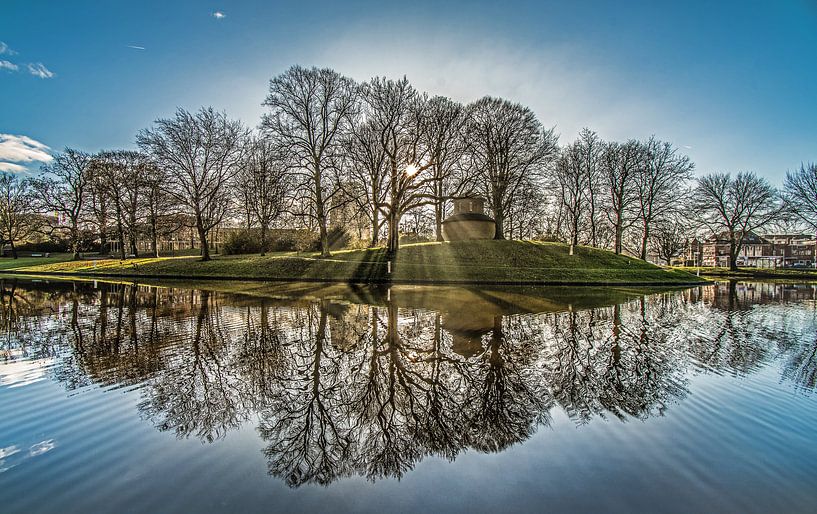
pixel 468 221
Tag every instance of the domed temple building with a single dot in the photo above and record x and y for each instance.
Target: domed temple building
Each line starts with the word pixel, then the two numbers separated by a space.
pixel 468 221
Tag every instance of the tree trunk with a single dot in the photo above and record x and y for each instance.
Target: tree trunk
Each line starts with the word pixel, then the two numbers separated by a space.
pixel 438 219
pixel 263 238
pixel 75 242
pixel 154 237
pixel 394 233
pixel 205 248
pixel 375 227
pixel 499 219
pixel 13 249
pixel 644 239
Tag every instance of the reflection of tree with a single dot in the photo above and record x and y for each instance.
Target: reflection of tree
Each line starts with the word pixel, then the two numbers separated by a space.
pixel 510 396
pixel 354 389
pixel 304 418
pixel 197 393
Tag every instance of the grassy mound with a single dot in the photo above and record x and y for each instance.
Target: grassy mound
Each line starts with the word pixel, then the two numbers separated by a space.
pixel 486 262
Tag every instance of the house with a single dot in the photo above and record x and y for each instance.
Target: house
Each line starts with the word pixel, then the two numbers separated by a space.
pixel 768 251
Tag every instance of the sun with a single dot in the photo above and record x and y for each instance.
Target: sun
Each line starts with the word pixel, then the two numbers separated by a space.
pixel 411 170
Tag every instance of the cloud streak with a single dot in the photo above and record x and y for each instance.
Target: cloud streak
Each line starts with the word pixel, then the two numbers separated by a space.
pixel 4 49
pixel 38 69
pixel 136 47
pixel 8 65
pixel 219 15
pixel 18 151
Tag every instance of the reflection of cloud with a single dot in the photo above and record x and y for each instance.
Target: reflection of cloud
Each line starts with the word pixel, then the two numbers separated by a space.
pixel 24 372
pixel 16 149
pixel 39 70
pixel 41 447
pixel 8 451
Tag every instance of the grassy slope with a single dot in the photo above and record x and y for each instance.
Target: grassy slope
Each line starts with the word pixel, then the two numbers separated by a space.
pixel 7 263
pixel 478 261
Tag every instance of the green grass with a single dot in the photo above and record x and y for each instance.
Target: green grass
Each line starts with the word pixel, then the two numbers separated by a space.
pixel 472 261
pixel 805 274
pixel 7 263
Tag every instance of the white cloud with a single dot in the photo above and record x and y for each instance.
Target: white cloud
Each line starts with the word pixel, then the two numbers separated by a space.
pixel 7 65
pixel 39 70
pixel 136 47
pixel 4 49
pixel 15 150
pixel 219 15
pixel 10 167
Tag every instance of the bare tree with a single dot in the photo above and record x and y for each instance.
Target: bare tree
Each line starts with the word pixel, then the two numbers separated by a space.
pixel 394 108
pixel 18 220
pixel 200 152
pixel 507 146
pixel 158 204
pixel 800 193
pixel 62 192
pixel 620 164
pixel 262 183
pixel 365 173
pixel 737 206
pixel 571 184
pixel 669 238
pixel 441 131
pixel 120 176
pixel 660 183
pixel 800 196
pixel 310 109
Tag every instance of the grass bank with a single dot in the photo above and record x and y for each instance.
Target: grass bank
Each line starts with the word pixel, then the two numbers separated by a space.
pixel 483 262
pixel 807 275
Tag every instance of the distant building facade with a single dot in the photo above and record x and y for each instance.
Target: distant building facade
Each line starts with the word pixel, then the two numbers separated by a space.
pixel 767 251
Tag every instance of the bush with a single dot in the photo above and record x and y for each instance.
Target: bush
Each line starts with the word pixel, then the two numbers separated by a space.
pixel 243 242
pixel 247 241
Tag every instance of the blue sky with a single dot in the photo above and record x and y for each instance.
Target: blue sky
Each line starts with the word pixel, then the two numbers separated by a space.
pixel 733 84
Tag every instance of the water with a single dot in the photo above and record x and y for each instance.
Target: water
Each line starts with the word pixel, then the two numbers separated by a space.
pixel 305 397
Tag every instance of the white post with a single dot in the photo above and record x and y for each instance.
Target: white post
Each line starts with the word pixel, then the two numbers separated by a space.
pixel 388 265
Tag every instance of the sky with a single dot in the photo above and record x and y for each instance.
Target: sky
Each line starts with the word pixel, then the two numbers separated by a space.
pixel 731 84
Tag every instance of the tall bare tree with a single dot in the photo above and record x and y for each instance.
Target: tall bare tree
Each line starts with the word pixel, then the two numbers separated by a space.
pixel 736 206
pixel 18 220
pixel 507 146
pixel 661 184
pixel 620 164
pixel 394 109
pixel 365 174
pixel 200 152
pixel 571 185
pixel 62 192
pixel 441 130
pixel 262 182
pixel 309 110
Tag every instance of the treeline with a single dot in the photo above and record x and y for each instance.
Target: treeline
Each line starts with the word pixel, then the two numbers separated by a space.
pixel 381 159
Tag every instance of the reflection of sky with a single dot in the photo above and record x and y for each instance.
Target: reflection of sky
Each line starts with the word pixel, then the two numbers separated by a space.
pixel 734 442
pixel 23 372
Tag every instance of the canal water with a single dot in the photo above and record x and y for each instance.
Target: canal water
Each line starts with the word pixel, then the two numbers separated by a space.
pixel 329 398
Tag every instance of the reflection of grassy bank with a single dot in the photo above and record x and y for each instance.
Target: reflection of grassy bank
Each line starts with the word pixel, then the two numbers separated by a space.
pixel 459 301
pixel 475 262
pixel 754 273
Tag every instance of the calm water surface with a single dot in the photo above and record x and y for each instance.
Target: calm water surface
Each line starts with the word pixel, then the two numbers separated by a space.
pixel 126 398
